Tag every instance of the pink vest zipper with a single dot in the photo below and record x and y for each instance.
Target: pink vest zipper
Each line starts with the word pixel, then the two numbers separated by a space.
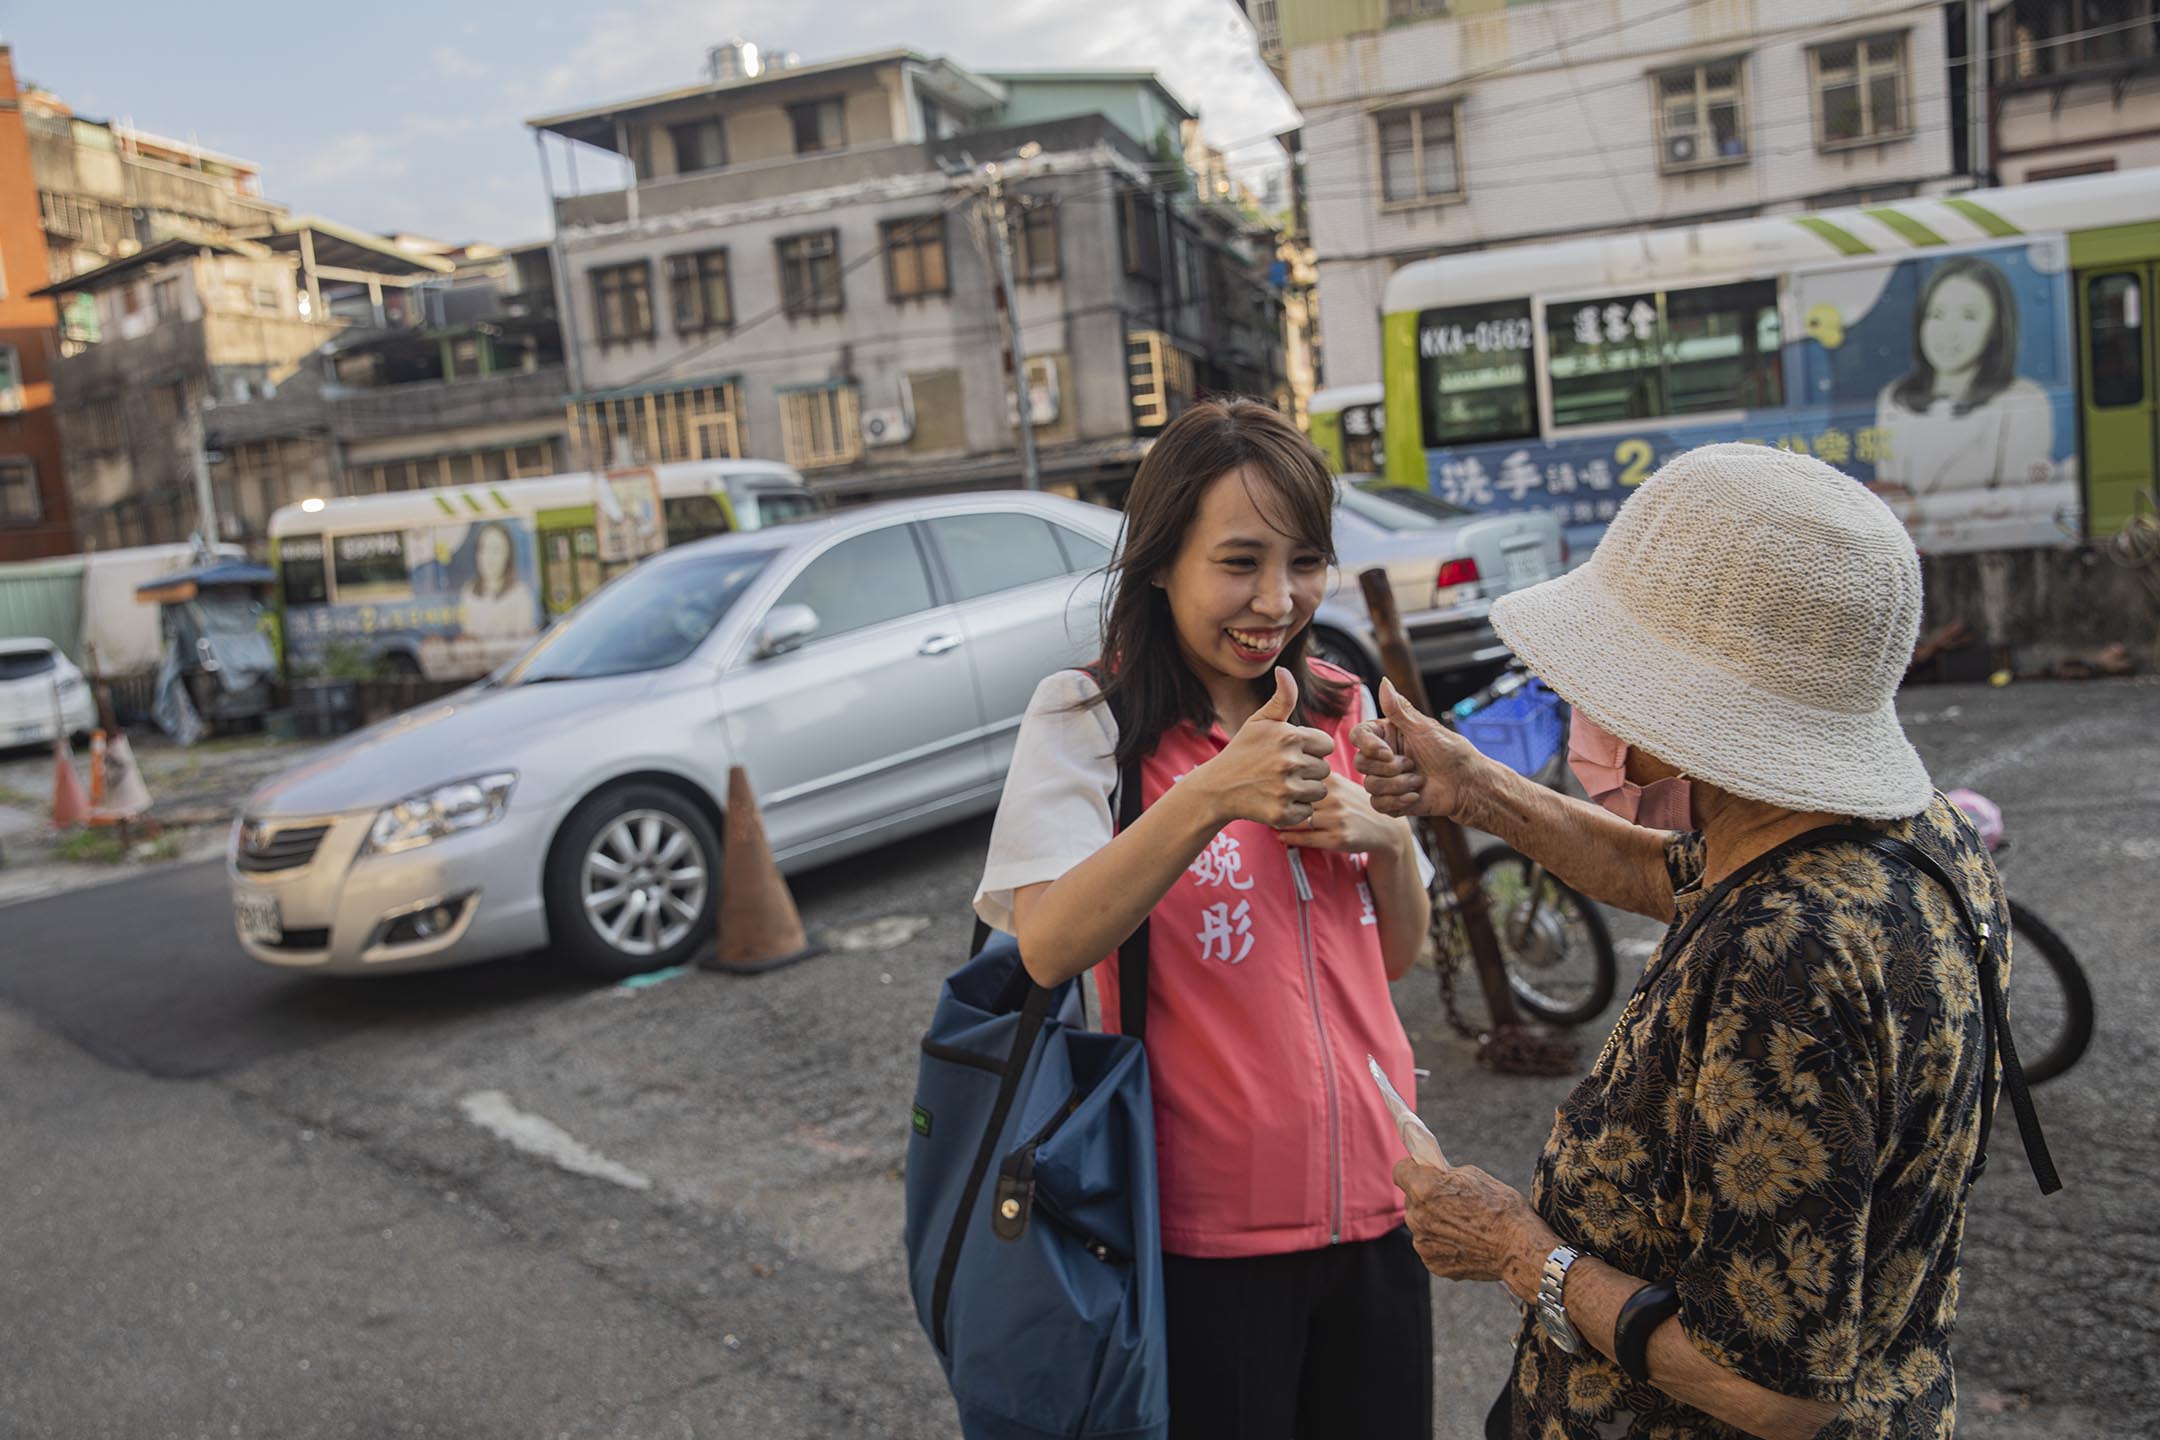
pixel 1266 993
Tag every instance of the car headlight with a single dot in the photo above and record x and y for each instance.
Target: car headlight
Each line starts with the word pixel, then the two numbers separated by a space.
pixel 69 684
pixel 446 810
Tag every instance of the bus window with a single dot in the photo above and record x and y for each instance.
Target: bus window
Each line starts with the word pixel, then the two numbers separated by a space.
pixel 1604 359
pixel 693 517
pixel 300 570
pixel 1474 381
pixel 2115 333
pixel 777 507
pixel 1721 348
pixel 371 567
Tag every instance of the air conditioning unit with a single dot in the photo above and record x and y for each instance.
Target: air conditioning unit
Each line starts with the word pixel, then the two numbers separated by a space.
pixel 1042 389
pixel 11 401
pixel 886 427
pixel 1683 149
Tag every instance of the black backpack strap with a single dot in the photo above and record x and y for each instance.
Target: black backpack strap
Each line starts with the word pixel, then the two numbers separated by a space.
pixel 1133 954
pixel 2001 1049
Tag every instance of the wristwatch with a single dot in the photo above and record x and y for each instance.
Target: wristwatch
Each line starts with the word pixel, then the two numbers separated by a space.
pixel 1551 1307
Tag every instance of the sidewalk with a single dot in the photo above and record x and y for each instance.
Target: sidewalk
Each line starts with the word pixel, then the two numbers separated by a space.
pixel 194 793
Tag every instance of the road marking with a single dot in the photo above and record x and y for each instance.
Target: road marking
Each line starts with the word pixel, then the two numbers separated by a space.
pixel 537 1135
pixel 882 934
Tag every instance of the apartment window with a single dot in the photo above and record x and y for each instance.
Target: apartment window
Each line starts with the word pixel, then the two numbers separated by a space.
pixel 19 502
pixel 819 125
pixel 165 297
pixel 699 145
pixel 810 273
pixel 622 302
pixel 1860 91
pixel 10 379
pixel 1399 11
pixel 915 257
pixel 699 289
pixel 1418 159
pixel 700 423
pixel 1701 116
pixel 1035 243
pixel 1138 236
pixel 2034 39
pixel 821 426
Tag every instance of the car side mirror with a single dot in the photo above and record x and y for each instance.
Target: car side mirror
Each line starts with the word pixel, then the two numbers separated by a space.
pixel 787 628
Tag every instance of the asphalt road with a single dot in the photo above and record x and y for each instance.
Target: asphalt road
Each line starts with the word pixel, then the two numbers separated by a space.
pixel 243 1202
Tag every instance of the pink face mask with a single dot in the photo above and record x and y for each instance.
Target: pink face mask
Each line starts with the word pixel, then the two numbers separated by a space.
pixel 1599 759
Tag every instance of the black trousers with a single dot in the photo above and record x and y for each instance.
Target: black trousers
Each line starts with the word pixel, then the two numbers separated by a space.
pixel 1331 1344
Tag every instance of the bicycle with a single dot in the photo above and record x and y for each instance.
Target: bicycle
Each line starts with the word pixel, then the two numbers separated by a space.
pixel 2051 1004
pixel 1554 943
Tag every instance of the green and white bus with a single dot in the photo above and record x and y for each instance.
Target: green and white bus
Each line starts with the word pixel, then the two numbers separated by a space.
pixel 1986 361
pixel 451 582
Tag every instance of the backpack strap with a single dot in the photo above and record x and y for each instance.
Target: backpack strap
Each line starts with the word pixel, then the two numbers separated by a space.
pixel 1133 954
pixel 2001 1049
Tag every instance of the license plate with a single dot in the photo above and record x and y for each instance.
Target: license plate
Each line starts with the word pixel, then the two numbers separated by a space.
pixel 1525 567
pixel 27 734
pixel 256 917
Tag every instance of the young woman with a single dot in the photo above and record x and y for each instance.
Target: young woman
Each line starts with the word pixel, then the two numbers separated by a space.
pixel 1279 905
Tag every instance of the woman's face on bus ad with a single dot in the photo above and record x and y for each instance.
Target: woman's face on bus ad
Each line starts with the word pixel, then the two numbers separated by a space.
pixel 1960 319
pixel 493 559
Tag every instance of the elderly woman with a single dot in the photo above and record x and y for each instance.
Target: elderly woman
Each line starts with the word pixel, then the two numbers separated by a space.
pixel 1747 1216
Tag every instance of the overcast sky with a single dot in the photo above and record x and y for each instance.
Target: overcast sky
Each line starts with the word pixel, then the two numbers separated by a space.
pixel 404 115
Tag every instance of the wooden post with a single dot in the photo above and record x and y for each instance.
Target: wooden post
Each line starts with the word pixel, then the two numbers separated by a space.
pixel 1448 837
pixel 1510 1045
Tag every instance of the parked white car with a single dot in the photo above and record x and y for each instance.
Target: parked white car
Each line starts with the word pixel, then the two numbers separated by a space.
pixel 32 673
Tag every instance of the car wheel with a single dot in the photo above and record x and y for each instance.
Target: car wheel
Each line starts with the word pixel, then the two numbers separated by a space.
pixel 1341 652
pixel 633 883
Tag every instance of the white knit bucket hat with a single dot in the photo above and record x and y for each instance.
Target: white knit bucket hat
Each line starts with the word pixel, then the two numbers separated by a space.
pixel 1747 618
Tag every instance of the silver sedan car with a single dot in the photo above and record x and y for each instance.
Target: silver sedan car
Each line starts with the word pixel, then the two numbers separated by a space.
pixel 868 669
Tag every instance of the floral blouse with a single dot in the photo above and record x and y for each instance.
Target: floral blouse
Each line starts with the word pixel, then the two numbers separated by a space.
pixel 1783 1125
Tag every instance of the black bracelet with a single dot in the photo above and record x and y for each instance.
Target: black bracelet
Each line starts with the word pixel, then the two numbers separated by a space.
pixel 1645 1310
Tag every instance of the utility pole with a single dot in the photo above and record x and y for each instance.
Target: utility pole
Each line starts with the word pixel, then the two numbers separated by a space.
pixel 994 182
pixel 199 460
pixel 1979 73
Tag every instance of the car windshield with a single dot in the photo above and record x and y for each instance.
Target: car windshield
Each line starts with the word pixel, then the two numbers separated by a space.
pixel 649 619
pixel 1398 508
pixel 22 664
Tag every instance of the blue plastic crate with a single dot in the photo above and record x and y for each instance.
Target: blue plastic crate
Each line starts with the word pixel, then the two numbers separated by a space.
pixel 1522 730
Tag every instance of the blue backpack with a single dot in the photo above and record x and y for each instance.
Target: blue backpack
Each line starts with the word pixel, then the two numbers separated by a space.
pixel 1033 1243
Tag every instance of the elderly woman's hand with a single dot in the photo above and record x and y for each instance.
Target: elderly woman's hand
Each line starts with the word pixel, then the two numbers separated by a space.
pixel 1414 765
pixel 1469 1226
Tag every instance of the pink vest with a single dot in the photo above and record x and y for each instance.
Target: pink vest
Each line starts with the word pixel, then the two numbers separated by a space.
pixel 1266 993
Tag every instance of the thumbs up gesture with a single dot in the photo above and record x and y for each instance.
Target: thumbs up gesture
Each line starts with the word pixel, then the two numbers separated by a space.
pixel 1272 771
pixel 1412 764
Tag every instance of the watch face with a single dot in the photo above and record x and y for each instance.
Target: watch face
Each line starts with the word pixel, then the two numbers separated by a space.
pixel 1559 1331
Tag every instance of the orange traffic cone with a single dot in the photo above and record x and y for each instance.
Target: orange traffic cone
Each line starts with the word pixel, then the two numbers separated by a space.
pixel 70 807
pixel 760 929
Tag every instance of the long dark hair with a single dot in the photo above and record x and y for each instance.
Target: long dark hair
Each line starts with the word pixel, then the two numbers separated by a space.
pixel 1998 359
pixel 1142 670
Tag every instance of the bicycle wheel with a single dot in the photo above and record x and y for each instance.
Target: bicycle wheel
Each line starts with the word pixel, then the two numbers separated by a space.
pixel 2051 1001
pixel 1558 953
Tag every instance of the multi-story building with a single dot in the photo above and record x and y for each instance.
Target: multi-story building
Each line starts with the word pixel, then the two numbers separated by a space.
pixel 184 326
pixel 105 190
pixel 2075 87
pixel 459 382
pixel 1440 125
pixel 798 263
pixel 34 516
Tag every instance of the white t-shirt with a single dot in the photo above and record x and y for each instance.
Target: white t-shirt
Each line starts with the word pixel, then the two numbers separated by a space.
pixel 1056 812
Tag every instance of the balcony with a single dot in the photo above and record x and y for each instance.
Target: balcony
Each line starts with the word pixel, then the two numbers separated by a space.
pixel 797 175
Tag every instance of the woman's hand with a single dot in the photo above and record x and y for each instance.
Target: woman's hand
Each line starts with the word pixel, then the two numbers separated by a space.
pixel 1414 765
pixel 1271 771
pixel 1346 821
pixel 1469 1226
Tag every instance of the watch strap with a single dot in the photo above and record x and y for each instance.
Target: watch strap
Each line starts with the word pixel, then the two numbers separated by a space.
pixel 1645 1310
